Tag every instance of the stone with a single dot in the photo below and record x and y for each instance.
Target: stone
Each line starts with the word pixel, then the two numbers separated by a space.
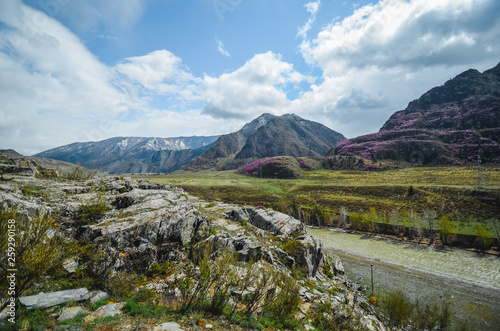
pixel 275 222
pixel 108 310
pixel 68 313
pixel 125 200
pixel 169 326
pixel 70 265
pixel 45 300
pixel 97 295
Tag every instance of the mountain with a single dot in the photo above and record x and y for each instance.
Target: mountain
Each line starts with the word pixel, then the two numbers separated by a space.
pixel 452 123
pixel 267 136
pixel 132 154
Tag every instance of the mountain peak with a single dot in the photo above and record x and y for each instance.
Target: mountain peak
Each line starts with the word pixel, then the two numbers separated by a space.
pixel 267 135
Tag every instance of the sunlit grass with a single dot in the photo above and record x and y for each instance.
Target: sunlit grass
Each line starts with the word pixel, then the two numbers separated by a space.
pixel 450 191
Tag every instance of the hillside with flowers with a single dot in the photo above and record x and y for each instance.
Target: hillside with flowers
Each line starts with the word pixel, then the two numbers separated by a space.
pixel 450 124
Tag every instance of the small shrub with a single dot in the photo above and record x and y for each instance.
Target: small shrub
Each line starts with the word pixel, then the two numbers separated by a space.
pixel 165 269
pixel 91 213
pixel 40 248
pixel 284 304
pixel 122 284
pixel 398 308
pixel 80 173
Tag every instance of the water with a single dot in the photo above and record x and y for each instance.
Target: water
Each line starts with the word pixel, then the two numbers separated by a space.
pixel 470 281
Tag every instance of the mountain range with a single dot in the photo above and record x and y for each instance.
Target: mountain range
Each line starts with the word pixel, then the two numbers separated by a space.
pixel 132 154
pixel 450 124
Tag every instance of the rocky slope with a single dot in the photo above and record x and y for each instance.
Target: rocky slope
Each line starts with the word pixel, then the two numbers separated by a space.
pixel 267 136
pixel 452 123
pixel 132 154
pixel 127 230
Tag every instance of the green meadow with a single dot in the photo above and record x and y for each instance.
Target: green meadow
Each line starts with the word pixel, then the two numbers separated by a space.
pixel 412 197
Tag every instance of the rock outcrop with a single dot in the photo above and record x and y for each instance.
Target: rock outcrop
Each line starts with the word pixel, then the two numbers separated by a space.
pixel 134 227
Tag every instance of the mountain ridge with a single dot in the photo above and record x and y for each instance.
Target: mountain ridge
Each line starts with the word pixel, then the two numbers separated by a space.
pixel 267 135
pixel 132 154
pixel 456 122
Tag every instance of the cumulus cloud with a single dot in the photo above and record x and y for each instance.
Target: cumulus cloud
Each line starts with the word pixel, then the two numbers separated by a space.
pixel 220 48
pixel 159 73
pixel 415 33
pixel 253 89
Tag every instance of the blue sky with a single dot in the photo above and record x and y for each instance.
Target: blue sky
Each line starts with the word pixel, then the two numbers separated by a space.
pixel 74 70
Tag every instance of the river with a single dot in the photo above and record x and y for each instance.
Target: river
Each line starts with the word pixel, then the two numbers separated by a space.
pixel 470 281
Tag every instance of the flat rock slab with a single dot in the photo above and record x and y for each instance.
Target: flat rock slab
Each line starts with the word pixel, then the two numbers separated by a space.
pixel 108 310
pixel 170 326
pixel 44 300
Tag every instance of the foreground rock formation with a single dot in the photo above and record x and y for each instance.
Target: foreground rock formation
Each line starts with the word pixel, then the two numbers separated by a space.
pixel 130 227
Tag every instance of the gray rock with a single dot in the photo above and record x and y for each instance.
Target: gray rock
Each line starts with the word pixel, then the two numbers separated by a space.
pixel 335 263
pixel 246 249
pixel 141 326
pixel 169 326
pixel 284 257
pixel 108 310
pixel 70 265
pixel 68 313
pixel 45 300
pixel 97 295
pixel 272 221
pixel 160 226
pixel 125 200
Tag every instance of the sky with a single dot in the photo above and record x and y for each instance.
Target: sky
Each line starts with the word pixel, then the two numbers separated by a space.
pixel 88 70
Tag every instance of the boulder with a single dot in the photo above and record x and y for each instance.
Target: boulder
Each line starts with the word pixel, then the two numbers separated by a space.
pixel 70 265
pixel 108 310
pixel 277 223
pixel 44 300
pixel 68 313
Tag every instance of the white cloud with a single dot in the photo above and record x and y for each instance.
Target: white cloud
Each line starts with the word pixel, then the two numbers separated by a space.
pixel 415 33
pixel 312 9
pixel 159 73
pixel 221 49
pixel 253 89
pixel 53 88
pixel 384 55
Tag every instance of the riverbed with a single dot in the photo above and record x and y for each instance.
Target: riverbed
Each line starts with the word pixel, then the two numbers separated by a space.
pixel 469 281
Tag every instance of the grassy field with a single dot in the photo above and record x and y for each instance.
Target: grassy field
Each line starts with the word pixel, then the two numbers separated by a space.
pixel 402 196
